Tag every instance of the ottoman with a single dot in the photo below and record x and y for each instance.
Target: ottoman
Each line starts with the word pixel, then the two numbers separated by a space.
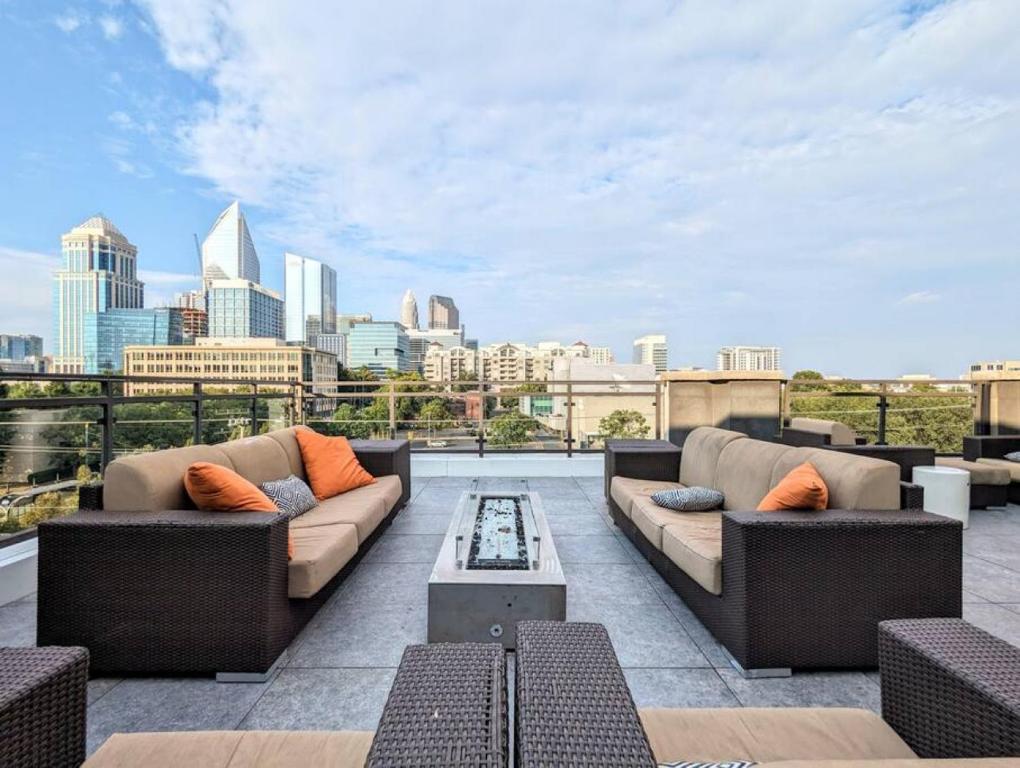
pixel 989 485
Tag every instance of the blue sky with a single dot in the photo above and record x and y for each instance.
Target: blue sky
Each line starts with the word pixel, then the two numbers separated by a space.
pixel 840 179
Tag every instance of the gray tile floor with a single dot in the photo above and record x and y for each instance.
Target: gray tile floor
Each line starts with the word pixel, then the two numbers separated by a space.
pixel 340 668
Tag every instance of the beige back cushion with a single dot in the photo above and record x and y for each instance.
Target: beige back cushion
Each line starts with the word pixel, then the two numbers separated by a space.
pixel 258 458
pixel 701 454
pixel 153 482
pixel 854 482
pixel 745 471
pixel 840 433
pixel 289 443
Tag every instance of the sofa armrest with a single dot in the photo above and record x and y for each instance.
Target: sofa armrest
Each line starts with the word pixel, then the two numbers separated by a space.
pixel 949 689
pixel 387 457
pixel 911 496
pixel 572 701
pixel 806 580
pixel 641 459
pixel 176 591
pixel 989 446
pixel 802 438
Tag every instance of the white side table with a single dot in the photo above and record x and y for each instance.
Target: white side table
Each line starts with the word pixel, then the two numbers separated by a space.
pixel 946 491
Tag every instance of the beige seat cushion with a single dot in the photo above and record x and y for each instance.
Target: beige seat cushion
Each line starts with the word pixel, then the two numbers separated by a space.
pixel 770 734
pixel 234 749
pixel 854 482
pixel 625 490
pixel 319 554
pixel 701 455
pixel 258 459
pixel 650 518
pixel 980 474
pixel 694 544
pixel 744 472
pixel 1012 467
pixel 839 433
pixel 154 482
pixel 364 507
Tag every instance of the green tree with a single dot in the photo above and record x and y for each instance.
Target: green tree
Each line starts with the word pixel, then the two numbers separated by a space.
pixel 624 424
pixel 349 422
pixel 512 428
pixel 434 414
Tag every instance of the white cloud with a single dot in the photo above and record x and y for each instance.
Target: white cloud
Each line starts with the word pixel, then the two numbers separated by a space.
pixel 617 167
pixel 111 26
pixel 921 297
pixel 69 21
pixel 25 302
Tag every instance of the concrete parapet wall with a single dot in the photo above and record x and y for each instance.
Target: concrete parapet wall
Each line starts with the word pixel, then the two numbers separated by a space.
pixel 749 402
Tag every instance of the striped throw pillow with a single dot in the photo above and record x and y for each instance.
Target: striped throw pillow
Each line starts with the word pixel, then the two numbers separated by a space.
pixel 700 764
pixel 693 499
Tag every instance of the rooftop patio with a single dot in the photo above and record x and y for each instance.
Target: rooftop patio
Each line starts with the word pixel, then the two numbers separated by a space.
pixel 340 668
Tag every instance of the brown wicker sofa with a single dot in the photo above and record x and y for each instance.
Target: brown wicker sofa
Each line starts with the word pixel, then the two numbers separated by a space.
pixel 784 590
pixel 151 585
pixel 988 450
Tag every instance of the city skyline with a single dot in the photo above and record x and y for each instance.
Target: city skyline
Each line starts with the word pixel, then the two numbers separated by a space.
pixel 740 215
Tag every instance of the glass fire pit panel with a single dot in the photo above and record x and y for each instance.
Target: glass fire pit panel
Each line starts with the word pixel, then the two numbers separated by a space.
pixel 499 541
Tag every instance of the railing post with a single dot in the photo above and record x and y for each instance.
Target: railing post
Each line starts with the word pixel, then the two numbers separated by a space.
pixel 106 422
pixel 660 387
pixel 883 405
pixel 393 410
pixel 196 435
pixel 481 416
pixel 570 421
pixel 254 409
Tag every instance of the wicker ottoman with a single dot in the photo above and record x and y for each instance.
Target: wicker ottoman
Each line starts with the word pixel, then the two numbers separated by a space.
pixel 42 706
pixel 949 688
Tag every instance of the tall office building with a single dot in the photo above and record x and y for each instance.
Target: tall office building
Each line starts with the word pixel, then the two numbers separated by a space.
pixel 17 346
pixel 443 313
pixel 409 311
pixel 345 322
pixel 243 309
pixel 310 297
pixel 99 273
pixel 228 251
pixel 652 350
pixel 107 333
pixel 601 355
pixel 748 359
pixel 380 347
pixel 421 340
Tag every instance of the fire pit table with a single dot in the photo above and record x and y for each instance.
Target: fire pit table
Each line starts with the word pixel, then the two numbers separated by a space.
pixel 497 566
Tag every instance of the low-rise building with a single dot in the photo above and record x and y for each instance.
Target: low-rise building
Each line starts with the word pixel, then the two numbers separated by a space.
pixel 420 340
pixel 506 362
pixel 378 346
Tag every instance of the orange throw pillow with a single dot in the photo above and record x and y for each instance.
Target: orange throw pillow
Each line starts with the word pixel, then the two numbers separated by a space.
pixel 330 464
pixel 217 489
pixel 802 488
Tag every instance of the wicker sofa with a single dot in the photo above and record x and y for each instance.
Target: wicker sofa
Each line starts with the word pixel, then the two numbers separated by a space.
pixel 949 698
pixel 988 450
pixel 803 432
pixel 151 585
pixel 784 590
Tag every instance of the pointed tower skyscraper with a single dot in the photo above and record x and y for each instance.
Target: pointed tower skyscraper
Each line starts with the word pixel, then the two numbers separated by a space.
pixel 409 311
pixel 228 251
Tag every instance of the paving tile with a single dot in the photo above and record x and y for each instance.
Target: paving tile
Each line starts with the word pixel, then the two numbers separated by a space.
pixel 452 484
pixel 643 635
pixel 169 705
pixel 420 522
pixel 418 484
pixel 970 597
pixel 1015 607
pixel 1002 549
pixel 590 549
pixel 697 631
pixel 567 505
pixel 995 619
pixel 990 580
pixel 608 584
pixel 675 688
pixel 994 521
pixel 405 548
pixel 99 687
pixel 361 636
pixel 806 689
pixel 382 584
pixel 322 700
pixel 503 485
pixel 17 623
pixel 577 525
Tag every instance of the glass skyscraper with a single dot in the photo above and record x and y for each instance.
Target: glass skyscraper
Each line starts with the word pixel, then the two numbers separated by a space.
pixel 228 251
pixel 16 347
pixel 99 273
pixel 443 313
pixel 107 333
pixel 310 297
pixel 379 347
pixel 243 309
